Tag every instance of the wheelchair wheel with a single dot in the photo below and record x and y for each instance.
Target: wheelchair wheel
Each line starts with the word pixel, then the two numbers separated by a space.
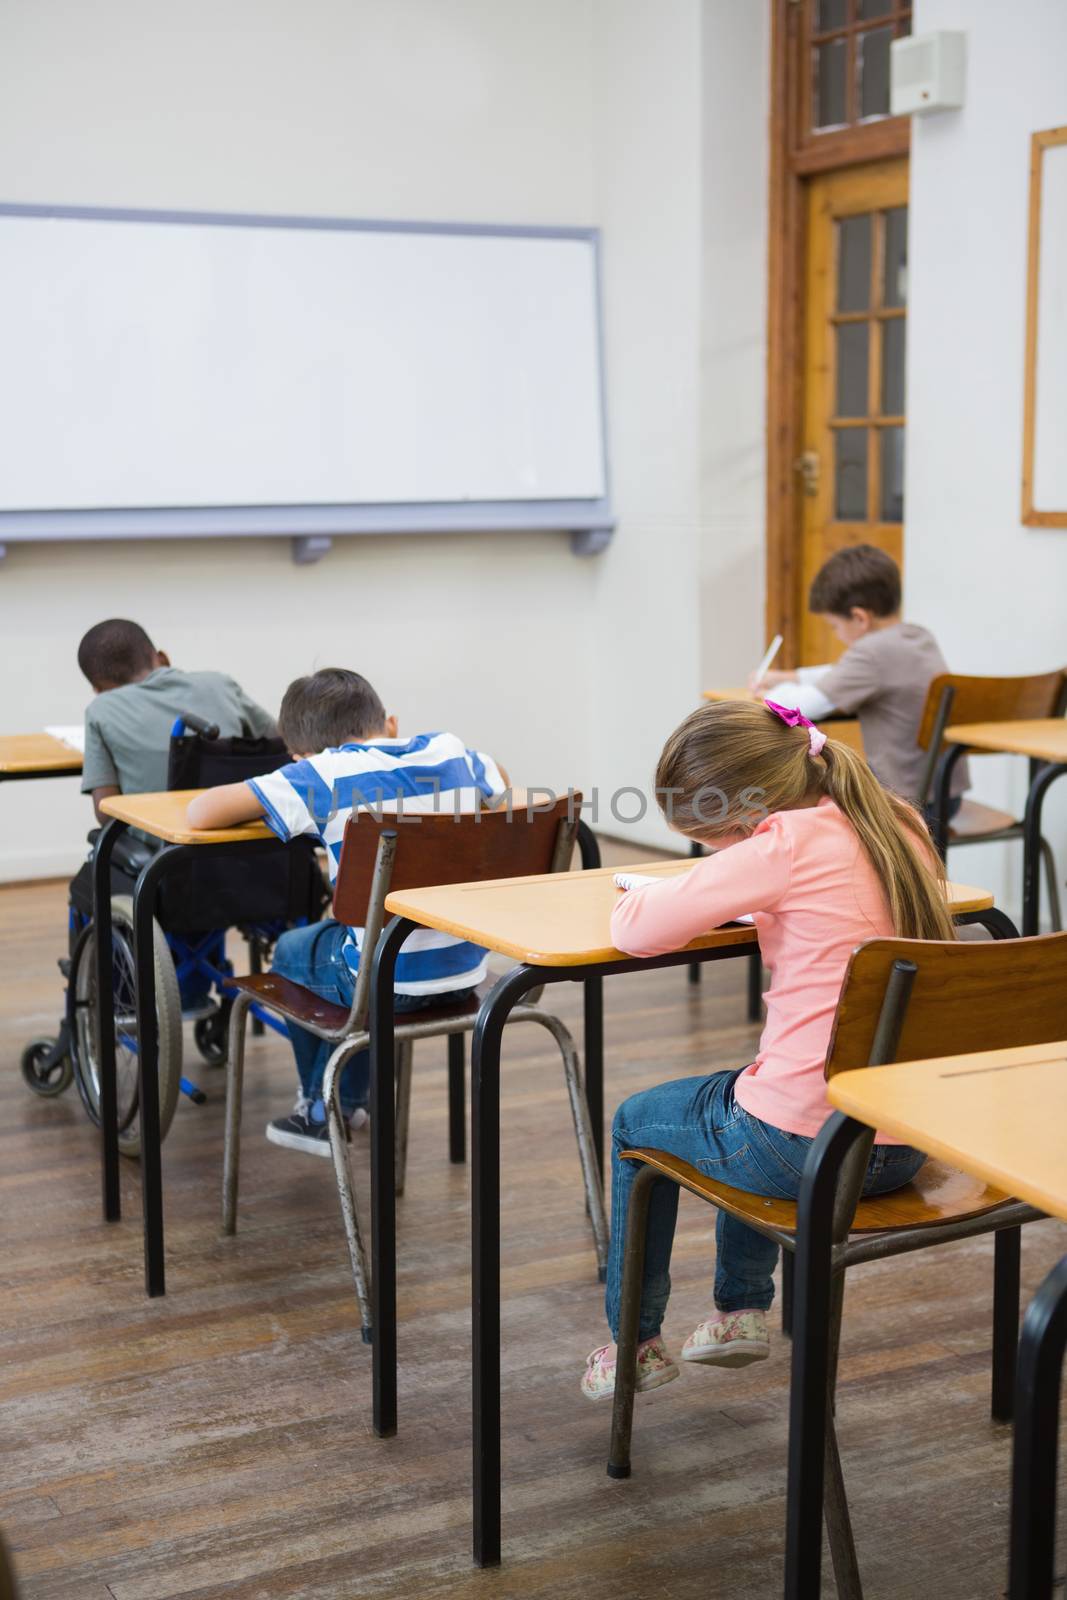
pixel 212 1035
pixel 81 1003
pixel 46 1077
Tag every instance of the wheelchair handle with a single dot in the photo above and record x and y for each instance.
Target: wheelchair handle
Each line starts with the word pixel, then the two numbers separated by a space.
pixel 207 730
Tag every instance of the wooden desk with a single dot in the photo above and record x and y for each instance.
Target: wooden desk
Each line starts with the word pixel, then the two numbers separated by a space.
pixel 36 755
pixel 557 927
pixel 162 816
pixel 1044 741
pixel 839 726
pixel 1000 1115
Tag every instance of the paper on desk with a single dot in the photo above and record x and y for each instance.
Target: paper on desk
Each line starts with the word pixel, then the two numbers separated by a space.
pixel 74 735
pixel 638 880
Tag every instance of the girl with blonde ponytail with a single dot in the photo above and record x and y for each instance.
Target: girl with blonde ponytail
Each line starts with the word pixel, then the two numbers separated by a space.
pixel 807 841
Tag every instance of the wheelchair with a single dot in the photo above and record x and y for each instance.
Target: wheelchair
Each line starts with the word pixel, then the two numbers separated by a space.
pixel 199 904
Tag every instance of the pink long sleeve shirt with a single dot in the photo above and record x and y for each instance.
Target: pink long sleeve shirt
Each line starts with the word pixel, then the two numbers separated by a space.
pixel 814 897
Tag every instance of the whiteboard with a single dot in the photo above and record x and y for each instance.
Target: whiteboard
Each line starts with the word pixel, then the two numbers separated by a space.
pixel 156 364
pixel 1050 378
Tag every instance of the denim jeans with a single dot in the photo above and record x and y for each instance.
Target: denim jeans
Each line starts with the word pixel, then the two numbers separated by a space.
pixel 312 957
pixel 699 1120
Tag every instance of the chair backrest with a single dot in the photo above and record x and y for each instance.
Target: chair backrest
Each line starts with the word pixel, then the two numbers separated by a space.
pixel 964 996
pixel 447 847
pixel 952 698
pixel 992 699
pixel 416 850
pixel 906 999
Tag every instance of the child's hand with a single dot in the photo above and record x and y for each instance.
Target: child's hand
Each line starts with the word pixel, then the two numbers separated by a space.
pixel 770 680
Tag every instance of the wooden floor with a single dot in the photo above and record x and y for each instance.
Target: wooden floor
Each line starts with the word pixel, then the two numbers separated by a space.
pixel 216 1443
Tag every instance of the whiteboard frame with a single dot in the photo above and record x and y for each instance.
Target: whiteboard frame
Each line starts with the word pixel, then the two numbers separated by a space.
pixel 591 523
pixel 1032 515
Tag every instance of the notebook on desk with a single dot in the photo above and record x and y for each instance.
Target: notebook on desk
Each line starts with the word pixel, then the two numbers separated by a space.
pixel 72 735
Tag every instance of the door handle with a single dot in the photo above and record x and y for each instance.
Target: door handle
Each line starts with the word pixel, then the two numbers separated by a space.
pixel 807 468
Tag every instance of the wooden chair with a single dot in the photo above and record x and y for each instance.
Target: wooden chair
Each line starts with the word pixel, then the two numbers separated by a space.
pixel 956 699
pixel 902 1000
pixel 379 854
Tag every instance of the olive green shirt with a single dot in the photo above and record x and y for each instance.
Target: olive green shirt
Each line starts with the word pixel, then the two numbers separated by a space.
pixel 127 730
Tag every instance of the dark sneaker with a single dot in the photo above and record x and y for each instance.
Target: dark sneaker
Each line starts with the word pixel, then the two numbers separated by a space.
pixel 298 1132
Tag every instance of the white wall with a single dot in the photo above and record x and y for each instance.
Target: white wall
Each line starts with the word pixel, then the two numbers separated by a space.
pixel 736 107
pixel 523 111
pixel 994 591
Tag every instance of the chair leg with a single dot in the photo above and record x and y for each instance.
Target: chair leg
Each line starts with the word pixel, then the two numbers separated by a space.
pixel 1051 884
pixel 346 1193
pixel 633 1271
pixel 839 1523
pixel 404 1052
pixel 235 1072
pixel 788 1267
pixel 583 1128
pixel 457 1098
pixel 1006 1262
pixel 835 1505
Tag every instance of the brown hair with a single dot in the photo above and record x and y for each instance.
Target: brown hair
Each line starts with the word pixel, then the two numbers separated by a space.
pixel 328 708
pixel 860 575
pixel 733 762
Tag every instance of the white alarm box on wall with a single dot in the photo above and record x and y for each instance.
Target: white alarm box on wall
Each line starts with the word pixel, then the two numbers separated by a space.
pixel 926 73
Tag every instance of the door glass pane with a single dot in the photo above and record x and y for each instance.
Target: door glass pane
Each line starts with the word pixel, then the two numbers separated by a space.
pixel 853 347
pixel 830 14
pixel 875 8
pixel 830 83
pixel 895 292
pixel 850 474
pixel 892 475
pixel 893 367
pixel 873 68
pixel 854 263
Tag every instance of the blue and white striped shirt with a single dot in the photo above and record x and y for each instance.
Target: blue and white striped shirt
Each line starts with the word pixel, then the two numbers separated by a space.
pixel 317 795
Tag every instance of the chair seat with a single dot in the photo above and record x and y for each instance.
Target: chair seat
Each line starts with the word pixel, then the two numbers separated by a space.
pixel 936 1195
pixel 292 1000
pixel 975 821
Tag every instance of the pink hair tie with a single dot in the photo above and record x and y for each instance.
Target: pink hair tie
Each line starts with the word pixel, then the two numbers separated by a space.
pixel 796 719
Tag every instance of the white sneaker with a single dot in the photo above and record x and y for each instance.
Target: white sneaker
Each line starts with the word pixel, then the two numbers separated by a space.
pixel 731 1339
pixel 654 1367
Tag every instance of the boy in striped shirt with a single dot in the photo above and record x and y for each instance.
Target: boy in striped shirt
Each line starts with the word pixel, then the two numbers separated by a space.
pixel 347 754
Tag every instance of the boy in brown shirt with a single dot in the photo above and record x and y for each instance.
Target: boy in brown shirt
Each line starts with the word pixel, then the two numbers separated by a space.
pixel 883 676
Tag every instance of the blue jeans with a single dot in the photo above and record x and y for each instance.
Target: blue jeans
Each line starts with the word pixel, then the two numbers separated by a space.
pixel 699 1120
pixel 312 957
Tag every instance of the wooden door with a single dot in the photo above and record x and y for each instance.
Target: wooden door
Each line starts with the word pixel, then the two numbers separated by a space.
pixel 852 465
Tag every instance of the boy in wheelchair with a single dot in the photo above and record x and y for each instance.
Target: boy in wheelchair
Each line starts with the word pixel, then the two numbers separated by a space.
pixel 137 741
pixel 347 754
pixel 139 697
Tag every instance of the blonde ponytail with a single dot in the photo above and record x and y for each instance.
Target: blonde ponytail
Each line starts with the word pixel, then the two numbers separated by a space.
pixel 892 835
pixel 733 762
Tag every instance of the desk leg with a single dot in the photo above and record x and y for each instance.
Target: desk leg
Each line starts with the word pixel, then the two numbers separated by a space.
pixel 1037 1408
pixel 485 1254
pixel 105 1017
pixel 1039 786
pixel 810 1379
pixel 695 849
pixel 383 1176
pixel 593 994
pixel 145 895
